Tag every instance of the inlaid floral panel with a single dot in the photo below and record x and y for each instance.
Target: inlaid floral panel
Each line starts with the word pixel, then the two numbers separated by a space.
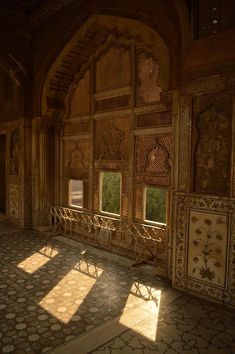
pixel 204 245
pixel 207 247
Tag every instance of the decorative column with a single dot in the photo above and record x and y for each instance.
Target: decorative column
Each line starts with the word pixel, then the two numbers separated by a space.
pixel 45 167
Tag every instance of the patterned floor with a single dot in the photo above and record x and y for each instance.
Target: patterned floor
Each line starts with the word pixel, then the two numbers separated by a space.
pixel 187 326
pixel 53 291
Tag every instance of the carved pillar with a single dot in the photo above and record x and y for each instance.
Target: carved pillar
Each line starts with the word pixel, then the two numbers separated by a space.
pixel 185 143
pixel 27 176
pixel 46 135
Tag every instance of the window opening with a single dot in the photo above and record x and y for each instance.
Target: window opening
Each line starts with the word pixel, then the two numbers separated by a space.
pixel 110 191
pixel 155 205
pixel 76 193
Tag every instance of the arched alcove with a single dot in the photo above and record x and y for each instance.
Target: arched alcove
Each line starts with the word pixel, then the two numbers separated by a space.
pixel 110 87
pixel 96 36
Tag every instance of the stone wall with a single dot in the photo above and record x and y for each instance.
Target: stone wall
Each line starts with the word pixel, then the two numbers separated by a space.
pixel 204 204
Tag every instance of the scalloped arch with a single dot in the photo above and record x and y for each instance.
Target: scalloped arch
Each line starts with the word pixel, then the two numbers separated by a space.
pixel 94 38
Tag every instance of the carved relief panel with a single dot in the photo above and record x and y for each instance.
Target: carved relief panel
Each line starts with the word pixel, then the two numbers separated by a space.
pixel 76 157
pixel 111 139
pixel 204 256
pixel 212 139
pixel 14 152
pixel 147 87
pixel 113 69
pixel 14 200
pixel 154 157
pixel 207 247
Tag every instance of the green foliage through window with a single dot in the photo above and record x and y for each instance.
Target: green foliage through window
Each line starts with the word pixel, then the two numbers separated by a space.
pixel 111 183
pixel 155 205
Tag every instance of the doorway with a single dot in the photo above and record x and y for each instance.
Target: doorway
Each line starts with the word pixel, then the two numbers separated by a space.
pixel 3 174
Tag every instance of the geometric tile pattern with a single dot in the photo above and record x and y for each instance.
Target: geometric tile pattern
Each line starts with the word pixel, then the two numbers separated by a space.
pixel 37 314
pixel 52 292
pixel 188 325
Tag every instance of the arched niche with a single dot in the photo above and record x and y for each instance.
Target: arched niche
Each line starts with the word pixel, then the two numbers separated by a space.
pixel 95 37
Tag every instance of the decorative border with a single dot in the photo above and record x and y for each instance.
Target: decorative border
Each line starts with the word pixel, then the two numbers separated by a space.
pixel 185 143
pixel 184 203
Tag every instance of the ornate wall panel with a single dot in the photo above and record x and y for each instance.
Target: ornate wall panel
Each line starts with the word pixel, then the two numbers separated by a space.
pixel 163 181
pixel 204 239
pixel 208 84
pixel 185 143
pixel 14 152
pixel 112 103
pixel 14 198
pixel 28 200
pixel 113 69
pixel 212 141
pixel 207 247
pixel 80 97
pixel 153 119
pixel 154 154
pixel 50 168
pixel 111 139
pixel 76 128
pixel 139 207
pixel 76 158
pixel 148 89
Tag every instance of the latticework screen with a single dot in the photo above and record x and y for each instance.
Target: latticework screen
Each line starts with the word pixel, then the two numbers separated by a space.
pixel 154 154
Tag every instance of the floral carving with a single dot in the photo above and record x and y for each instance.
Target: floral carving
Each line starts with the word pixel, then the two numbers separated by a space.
pixel 109 143
pixel 206 238
pixel 212 154
pixel 76 155
pixel 207 250
pixel 191 213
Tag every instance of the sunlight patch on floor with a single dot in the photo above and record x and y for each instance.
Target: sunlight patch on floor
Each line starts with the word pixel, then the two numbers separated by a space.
pixel 145 319
pixel 38 259
pixel 65 298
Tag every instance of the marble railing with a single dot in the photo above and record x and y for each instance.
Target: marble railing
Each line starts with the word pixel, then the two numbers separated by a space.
pixel 139 241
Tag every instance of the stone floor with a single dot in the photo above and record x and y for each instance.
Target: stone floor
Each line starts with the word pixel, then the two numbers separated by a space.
pixel 59 296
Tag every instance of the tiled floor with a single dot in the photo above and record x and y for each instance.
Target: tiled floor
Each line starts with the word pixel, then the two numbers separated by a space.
pixel 59 296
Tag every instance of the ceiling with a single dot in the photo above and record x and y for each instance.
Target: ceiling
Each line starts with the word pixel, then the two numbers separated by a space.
pixel 30 12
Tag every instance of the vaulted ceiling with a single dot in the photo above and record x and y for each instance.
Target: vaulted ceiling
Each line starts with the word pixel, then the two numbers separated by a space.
pixel 35 12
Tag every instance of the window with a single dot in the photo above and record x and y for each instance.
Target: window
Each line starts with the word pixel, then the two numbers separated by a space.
pixel 76 193
pixel 155 204
pixel 110 192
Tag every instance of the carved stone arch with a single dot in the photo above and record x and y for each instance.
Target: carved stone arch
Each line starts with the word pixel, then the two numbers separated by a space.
pixel 95 34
